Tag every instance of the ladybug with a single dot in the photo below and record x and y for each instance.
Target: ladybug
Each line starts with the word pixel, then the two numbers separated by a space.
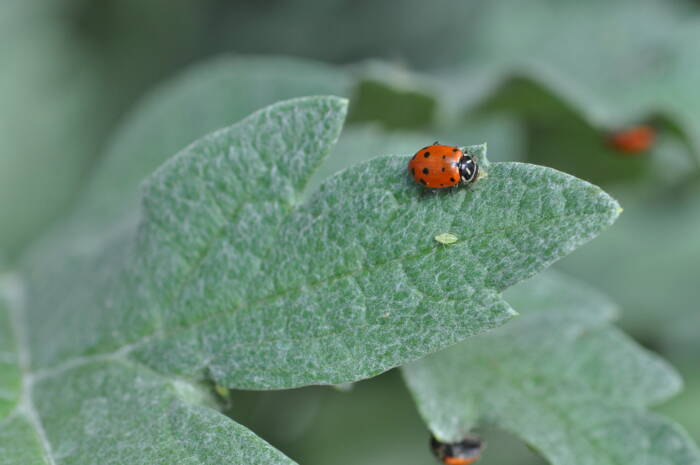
pixel 438 166
pixel 464 452
pixel 633 140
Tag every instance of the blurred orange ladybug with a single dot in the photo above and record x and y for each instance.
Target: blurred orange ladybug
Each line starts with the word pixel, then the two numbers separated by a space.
pixel 633 140
pixel 438 166
pixel 464 452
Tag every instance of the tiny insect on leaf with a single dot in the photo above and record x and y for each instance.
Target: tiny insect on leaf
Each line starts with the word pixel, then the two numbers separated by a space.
pixel 446 238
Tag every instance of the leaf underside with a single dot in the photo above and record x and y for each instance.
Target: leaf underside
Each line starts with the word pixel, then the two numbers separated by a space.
pixel 560 377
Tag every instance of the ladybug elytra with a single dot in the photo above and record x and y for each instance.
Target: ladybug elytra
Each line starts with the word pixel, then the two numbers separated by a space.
pixel 464 452
pixel 438 166
pixel 633 140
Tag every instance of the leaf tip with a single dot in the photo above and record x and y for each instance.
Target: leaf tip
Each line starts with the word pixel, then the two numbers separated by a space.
pixel 338 103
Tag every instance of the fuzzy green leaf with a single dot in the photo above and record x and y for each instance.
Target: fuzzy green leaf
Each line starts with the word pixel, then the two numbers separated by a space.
pixel 109 411
pixel 231 276
pixel 152 419
pixel 107 394
pixel 561 378
pixel 206 97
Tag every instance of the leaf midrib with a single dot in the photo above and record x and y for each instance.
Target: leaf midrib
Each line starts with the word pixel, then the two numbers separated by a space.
pixel 26 403
pixel 25 407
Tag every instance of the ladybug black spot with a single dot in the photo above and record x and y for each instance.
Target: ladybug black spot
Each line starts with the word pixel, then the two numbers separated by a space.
pixel 452 179
pixel 426 171
pixel 444 156
pixel 455 149
pixel 443 169
pixel 426 154
pixel 422 181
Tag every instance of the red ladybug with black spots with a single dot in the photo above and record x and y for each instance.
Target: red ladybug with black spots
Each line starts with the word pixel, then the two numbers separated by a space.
pixel 464 452
pixel 438 166
pixel 634 140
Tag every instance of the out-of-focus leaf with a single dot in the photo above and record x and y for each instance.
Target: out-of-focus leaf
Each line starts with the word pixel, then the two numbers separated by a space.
pixel 648 263
pixel 684 407
pixel 207 97
pixel 560 136
pixel 561 378
pixel 606 59
pixel 612 65
pixel 48 90
pixel 343 31
pixel 506 136
pixel 373 423
pixel 393 96
pixel 68 69
pixel 10 377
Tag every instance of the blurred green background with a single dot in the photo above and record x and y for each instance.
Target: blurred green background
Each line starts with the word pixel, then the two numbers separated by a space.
pixel 541 81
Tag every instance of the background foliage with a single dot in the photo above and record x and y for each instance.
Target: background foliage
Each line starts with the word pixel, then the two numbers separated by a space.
pixel 542 82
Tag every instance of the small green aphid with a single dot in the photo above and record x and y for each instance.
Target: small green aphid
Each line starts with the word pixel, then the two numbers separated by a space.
pixel 446 238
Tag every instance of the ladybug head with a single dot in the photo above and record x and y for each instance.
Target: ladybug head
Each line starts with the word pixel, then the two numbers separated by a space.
pixel 464 452
pixel 468 169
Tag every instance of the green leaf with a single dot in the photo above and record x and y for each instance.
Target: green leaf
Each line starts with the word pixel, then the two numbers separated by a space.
pixel 233 279
pixel 51 119
pixel 653 253
pixel 107 394
pixel 112 411
pixel 557 126
pixel 362 142
pixel 649 73
pixel 683 407
pixel 10 377
pixel 20 441
pixel 157 420
pixel 393 96
pixel 560 377
pixel 230 276
pixel 206 97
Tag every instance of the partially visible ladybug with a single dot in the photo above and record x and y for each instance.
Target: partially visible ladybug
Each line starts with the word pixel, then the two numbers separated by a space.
pixel 634 140
pixel 438 166
pixel 464 452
